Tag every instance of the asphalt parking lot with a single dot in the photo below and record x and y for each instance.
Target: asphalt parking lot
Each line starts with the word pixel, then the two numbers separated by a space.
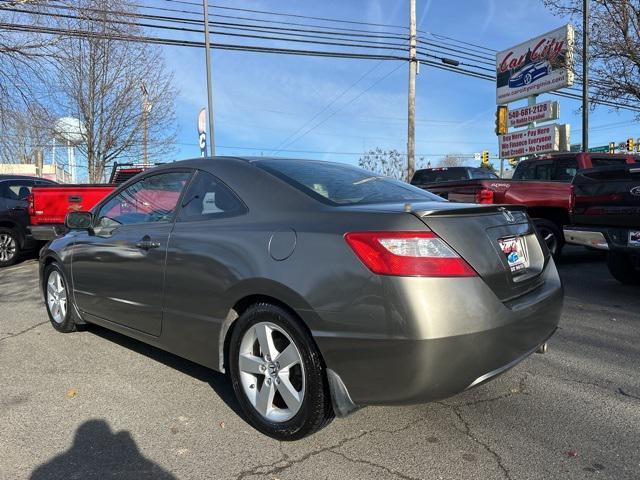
pixel 95 404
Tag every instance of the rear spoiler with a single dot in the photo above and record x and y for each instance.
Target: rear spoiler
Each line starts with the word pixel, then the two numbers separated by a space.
pixel 469 210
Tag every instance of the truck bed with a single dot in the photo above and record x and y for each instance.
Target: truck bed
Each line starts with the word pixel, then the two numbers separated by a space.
pixel 50 204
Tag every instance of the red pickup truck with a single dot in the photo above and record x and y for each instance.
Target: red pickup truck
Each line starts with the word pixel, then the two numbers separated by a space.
pixel 48 205
pixel 542 184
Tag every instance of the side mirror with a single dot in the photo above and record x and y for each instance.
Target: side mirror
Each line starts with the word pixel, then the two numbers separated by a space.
pixel 78 220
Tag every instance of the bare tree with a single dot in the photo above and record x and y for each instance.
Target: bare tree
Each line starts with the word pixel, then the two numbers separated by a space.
pixel 116 88
pixel 23 59
pixel 390 163
pixel 452 160
pixel 614 46
pixel 25 133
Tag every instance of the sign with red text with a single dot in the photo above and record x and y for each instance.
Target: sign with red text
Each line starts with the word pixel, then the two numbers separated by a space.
pixel 540 112
pixel 533 141
pixel 538 65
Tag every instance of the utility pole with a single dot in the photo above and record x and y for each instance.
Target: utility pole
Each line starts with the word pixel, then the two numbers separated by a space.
pixel 411 116
pixel 145 124
pixel 212 143
pixel 585 75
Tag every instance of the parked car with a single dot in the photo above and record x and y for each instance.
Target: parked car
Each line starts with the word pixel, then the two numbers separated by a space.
pixel 48 204
pixel 429 176
pixel 529 73
pixel 542 184
pixel 319 287
pixel 14 219
pixel 606 215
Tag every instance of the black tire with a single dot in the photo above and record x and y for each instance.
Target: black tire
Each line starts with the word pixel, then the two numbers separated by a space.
pixel 622 268
pixel 67 323
pixel 9 247
pixel 315 411
pixel 551 234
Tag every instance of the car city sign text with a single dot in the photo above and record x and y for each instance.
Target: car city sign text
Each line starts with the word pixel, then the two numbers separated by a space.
pixel 528 142
pixel 538 65
pixel 540 112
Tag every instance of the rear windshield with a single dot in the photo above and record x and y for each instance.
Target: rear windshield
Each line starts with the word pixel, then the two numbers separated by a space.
pixel 436 175
pixel 338 184
pixel 607 161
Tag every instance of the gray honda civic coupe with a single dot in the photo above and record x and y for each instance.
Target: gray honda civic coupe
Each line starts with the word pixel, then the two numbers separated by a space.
pixel 318 287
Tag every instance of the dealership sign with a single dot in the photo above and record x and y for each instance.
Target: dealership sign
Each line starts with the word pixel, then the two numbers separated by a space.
pixel 534 141
pixel 538 65
pixel 540 112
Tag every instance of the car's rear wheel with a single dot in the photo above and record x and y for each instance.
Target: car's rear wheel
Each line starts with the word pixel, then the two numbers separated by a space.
pixel 527 79
pixel 277 374
pixel 57 298
pixel 9 247
pixel 551 235
pixel 622 268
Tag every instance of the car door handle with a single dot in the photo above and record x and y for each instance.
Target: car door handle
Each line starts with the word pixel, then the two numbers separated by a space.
pixel 147 244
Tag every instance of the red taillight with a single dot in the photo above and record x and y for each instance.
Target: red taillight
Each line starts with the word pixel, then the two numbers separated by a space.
pixel 484 195
pixel 410 254
pixel 572 200
pixel 31 205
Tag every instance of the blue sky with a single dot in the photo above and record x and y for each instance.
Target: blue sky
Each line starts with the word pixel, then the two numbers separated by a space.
pixel 261 99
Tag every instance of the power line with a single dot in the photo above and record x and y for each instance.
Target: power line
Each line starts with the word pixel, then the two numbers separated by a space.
pixel 326 107
pixel 344 106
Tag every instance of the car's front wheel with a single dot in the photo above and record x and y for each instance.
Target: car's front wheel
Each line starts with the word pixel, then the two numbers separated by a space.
pixel 57 298
pixel 277 374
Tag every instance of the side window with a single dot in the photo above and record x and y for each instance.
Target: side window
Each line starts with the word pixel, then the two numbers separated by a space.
pixel 566 169
pixel 544 170
pixel 208 198
pixel 525 171
pixel 17 189
pixel 152 199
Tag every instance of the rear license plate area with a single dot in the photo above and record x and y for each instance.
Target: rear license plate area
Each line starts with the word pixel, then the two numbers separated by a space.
pixel 634 238
pixel 515 252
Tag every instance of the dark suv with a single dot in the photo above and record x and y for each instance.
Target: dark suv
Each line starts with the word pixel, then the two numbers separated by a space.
pixel 14 216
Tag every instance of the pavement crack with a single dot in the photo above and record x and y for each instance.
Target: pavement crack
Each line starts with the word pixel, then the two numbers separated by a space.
pixel 626 394
pixel 13 335
pixel 285 463
pixel 375 465
pixel 469 433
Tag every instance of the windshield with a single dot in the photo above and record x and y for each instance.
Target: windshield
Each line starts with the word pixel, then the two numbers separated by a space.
pixel 338 184
pixel 436 175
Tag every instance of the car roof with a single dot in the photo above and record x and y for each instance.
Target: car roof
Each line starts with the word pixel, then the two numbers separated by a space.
pixel 24 177
pixel 204 162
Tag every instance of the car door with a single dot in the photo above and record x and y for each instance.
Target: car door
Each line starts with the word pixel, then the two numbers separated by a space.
pixel 118 267
pixel 14 195
pixel 203 262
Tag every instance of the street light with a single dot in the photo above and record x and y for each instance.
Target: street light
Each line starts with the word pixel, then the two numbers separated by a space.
pixel 450 61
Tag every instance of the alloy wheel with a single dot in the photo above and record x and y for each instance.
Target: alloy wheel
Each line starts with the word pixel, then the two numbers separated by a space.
pixel 8 247
pixel 271 372
pixel 56 297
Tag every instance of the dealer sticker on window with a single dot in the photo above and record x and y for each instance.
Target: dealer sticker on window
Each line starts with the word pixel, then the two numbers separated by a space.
pixel 515 250
pixel 634 238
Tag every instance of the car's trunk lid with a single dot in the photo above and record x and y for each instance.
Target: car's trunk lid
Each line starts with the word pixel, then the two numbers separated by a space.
pixel 481 233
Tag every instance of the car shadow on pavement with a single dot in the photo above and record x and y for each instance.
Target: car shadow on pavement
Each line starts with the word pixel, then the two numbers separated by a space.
pixel 97 452
pixel 217 381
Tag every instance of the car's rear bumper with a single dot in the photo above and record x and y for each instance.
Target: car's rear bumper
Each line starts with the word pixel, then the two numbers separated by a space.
pixel 603 238
pixel 463 340
pixel 46 232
